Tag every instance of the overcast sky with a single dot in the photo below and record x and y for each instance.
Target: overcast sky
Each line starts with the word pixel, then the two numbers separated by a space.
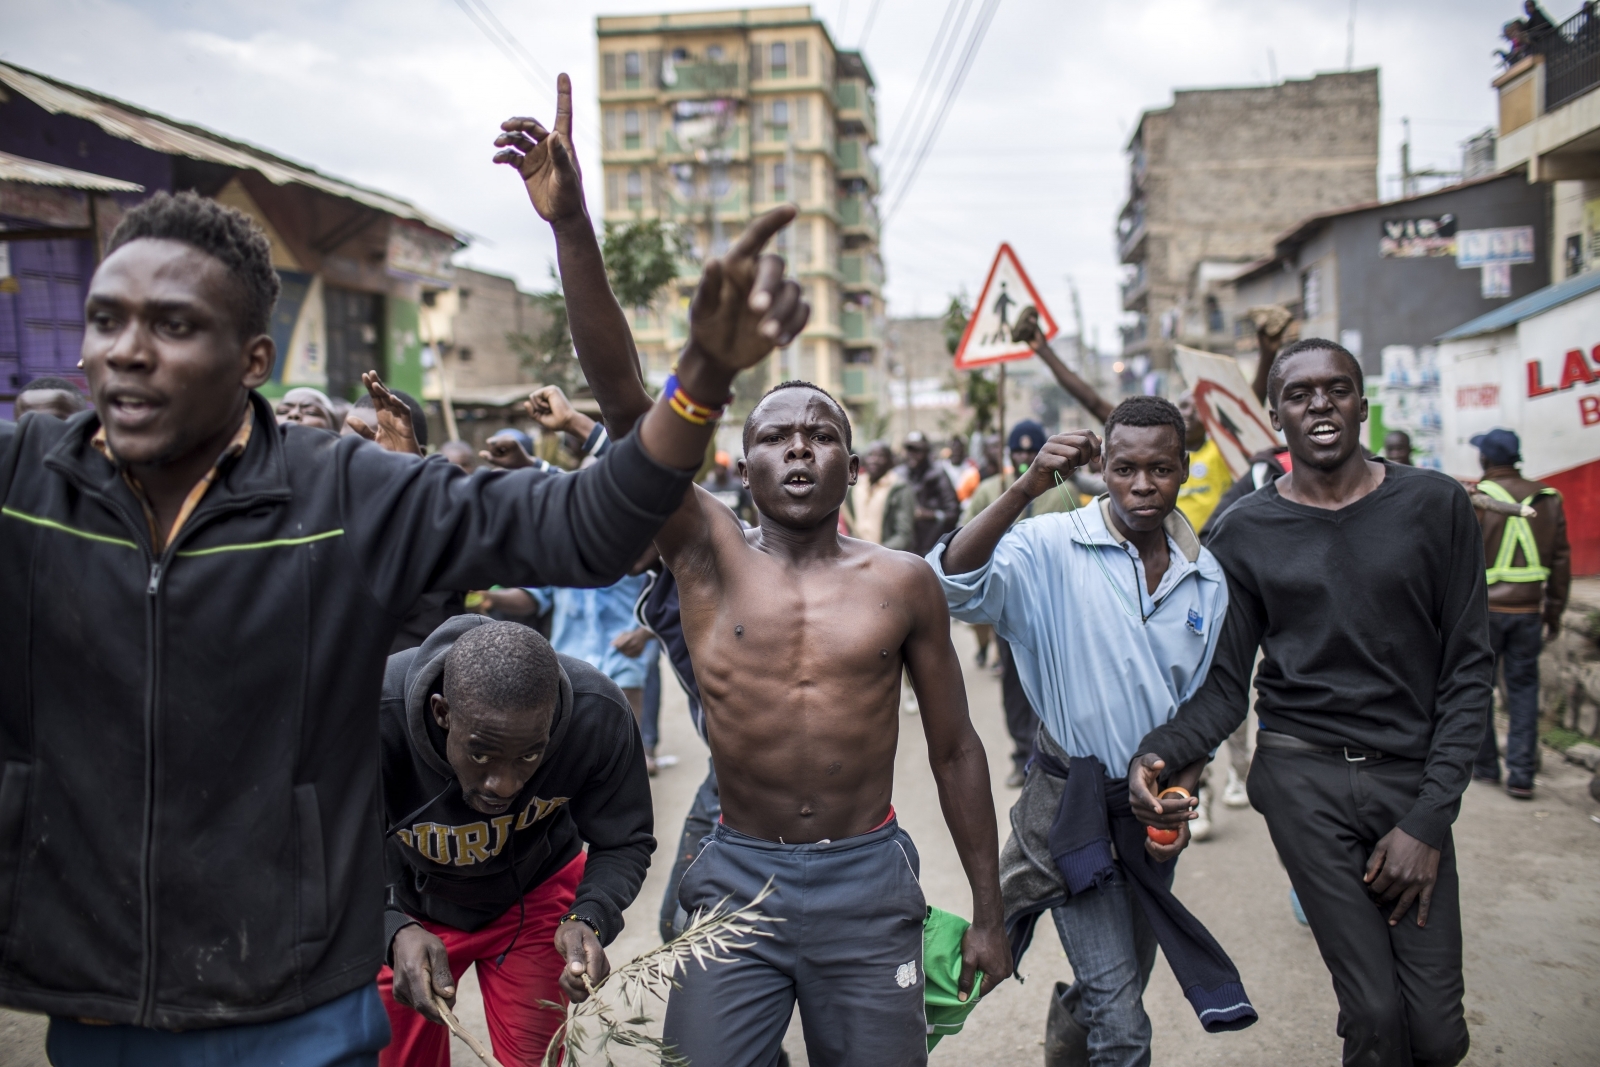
pixel 406 95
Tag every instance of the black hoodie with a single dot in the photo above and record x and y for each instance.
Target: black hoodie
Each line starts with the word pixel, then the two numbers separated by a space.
pixel 190 826
pixel 451 864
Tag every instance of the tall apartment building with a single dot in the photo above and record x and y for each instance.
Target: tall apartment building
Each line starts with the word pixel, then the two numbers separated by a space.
pixel 710 118
pixel 1215 178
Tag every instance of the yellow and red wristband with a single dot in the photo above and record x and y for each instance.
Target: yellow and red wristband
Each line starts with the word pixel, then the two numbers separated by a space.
pixel 687 407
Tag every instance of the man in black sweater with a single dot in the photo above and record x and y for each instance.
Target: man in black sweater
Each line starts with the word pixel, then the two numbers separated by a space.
pixel 500 760
pixel 1362 583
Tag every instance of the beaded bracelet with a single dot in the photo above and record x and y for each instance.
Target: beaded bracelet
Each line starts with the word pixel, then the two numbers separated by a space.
pixel 574 917
pixel 687 407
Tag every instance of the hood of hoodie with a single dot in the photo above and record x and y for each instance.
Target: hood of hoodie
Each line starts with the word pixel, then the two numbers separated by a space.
pixel 423 674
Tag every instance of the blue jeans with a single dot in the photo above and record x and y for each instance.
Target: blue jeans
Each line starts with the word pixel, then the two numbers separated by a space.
pixel 650 712
pixel 1112 950
pixel 1516 641
pixel 347 1031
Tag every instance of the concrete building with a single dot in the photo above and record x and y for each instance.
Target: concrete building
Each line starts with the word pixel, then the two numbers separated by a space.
pixel 1549 130
pixel 710 118
pixel 1215 178
pixel 355 263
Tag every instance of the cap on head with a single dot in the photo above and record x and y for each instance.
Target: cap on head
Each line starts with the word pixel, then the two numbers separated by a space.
pixel 1498 447
pixel 916 442
pixel 518 436
pixel 1027 436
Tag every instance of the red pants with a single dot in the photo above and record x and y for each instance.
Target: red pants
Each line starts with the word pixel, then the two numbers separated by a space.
pixel 519 1029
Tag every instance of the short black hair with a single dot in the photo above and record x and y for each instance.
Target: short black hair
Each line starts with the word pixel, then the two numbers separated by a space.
pixel 1310 344
pixel 419 419
pixel 51 383
pixel 795 383
pixel 1147 411
pixel 502 665
pixel 231 236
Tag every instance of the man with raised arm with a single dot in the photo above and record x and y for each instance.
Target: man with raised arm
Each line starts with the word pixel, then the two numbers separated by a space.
pixel 799 638
pixel 235 913
pixel 1362 583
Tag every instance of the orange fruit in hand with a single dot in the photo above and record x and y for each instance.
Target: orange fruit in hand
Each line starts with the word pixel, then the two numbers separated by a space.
pixel 1160 836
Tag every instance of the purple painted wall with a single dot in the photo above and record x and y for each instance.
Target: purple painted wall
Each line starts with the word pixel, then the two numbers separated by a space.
pixel 28 130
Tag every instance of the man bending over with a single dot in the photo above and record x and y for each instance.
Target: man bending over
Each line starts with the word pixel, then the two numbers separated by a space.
pixel 500 759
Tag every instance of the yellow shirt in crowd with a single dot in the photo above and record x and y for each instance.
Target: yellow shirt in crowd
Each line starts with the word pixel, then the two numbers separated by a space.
pixel 1209 478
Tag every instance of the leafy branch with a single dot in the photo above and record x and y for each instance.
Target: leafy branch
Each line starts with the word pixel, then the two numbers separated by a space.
pixel 711 937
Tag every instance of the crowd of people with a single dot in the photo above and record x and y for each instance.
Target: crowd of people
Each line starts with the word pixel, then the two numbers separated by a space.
pixel 342 772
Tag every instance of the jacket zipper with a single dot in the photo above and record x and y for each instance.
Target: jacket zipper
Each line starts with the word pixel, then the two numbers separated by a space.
pixel 152 619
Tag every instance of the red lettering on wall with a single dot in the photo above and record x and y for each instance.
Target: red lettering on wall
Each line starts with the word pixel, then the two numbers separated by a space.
pixel 1589 409
pixel 1478 396
pixel 1536 386
pixel 1575 370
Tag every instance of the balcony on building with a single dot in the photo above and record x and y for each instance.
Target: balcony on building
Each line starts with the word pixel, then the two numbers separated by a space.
pixel 1549 110
pixel 858 326
pixel 853 161
pixel 861 271
pixel 1136 287
pixel 1131 231
pixel 689 79
pixel 856 108
pixel 857 382
pixel 858 216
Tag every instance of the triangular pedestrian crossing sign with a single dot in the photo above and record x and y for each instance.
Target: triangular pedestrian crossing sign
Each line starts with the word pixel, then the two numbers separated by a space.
pixel 1006 292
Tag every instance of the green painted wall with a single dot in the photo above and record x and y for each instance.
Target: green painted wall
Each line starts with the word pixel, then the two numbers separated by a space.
pixel 404 355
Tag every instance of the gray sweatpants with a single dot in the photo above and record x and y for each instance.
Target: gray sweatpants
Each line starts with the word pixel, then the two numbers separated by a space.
pixel 849 949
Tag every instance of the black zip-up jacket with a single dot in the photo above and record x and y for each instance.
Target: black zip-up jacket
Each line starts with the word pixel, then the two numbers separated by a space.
pixel 451 864
pixel 190 827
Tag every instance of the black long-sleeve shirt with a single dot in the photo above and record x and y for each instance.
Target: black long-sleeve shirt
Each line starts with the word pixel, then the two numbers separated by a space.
pixel 1373 625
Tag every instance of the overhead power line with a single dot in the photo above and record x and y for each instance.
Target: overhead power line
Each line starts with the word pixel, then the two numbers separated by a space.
pixel 898 134
pixel 866 28
pixel 503 39
pixel 980 27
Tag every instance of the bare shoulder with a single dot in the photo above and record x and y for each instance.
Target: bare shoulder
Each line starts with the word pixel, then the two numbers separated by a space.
pixel 906 572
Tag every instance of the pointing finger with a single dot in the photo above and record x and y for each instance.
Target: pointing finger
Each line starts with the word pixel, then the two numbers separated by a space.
pixel 761 230
pixel 769 278
pixel 564 105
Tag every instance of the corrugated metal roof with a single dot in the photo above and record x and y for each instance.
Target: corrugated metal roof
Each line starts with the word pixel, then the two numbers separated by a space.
pixel 166 135
pixel 1536 302
pixel 17 169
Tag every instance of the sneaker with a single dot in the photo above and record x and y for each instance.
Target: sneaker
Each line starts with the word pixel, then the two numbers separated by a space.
pixel 1234 794
pixel 1200 825
pixel 1299 912
pixel 1519 792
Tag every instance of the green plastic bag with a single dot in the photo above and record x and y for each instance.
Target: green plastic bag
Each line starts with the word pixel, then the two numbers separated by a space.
pixel 941 970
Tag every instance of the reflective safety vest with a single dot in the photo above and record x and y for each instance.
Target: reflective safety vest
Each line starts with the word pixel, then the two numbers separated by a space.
pixel 1517 532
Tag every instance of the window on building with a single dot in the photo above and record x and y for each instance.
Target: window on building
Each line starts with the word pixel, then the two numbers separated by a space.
pixel 652 129
pixel 780 59
pixel 635 190
pixel 631 67
pixel 630 129
pixel 608 63
pixel 1214 323
pixel 778 124
pixel 755 63
pixel 613 191
pixel 802 59
pixel 801 180
pixel 464 354
pixel 802 243
pixel 802 119
pixel 780 182
pixel 1311 291
pixel 714 54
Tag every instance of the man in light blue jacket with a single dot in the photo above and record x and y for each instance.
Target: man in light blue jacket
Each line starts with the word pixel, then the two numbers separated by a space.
pixel 1112 612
